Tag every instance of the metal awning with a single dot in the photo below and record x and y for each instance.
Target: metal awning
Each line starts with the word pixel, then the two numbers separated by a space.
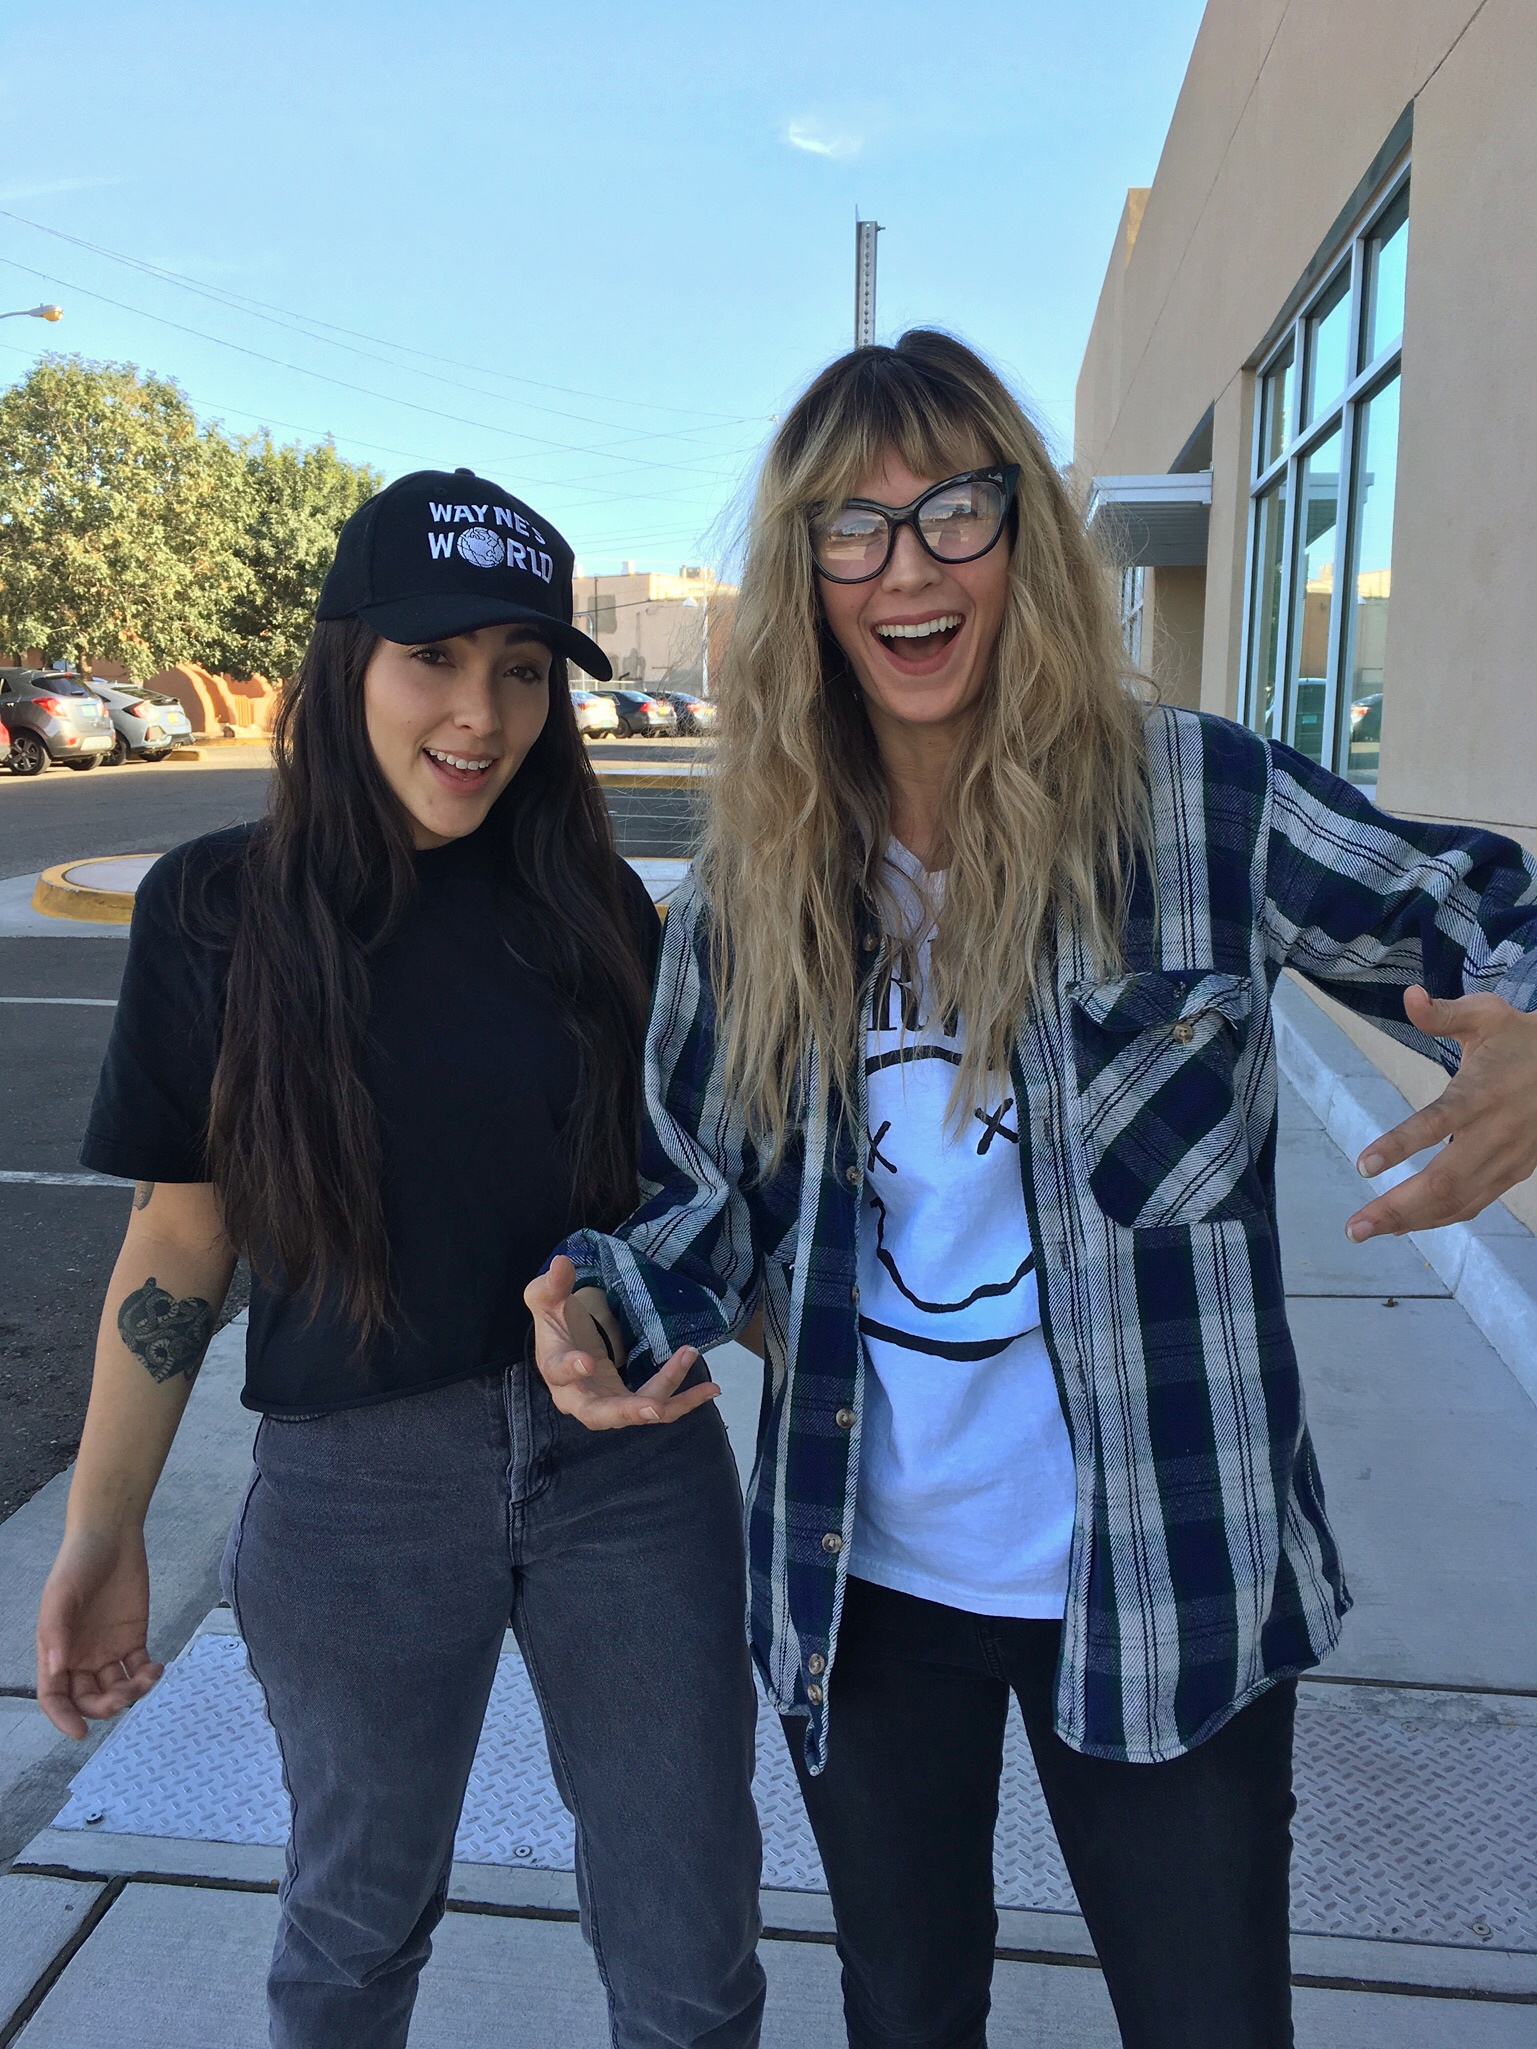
pixel 1156 522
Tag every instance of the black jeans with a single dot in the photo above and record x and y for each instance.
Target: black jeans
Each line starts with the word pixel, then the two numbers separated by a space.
pixel 1180 1868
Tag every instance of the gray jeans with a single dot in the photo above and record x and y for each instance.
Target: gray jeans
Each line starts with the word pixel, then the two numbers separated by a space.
pixel 378 1557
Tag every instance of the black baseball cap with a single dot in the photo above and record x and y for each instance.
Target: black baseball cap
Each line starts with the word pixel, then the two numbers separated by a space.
pixel 443 552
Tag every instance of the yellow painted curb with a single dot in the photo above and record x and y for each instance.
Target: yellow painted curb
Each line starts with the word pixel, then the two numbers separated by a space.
pixel 635 779
pixel 57 897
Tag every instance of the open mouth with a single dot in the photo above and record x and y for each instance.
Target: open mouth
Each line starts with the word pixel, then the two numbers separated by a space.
pixel 919 643
pixel 460 771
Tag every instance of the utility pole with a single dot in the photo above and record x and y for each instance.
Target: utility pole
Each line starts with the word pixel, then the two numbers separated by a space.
pixel 865 233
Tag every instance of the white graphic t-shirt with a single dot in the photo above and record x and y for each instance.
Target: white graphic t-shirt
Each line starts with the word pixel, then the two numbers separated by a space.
pixel 965 1468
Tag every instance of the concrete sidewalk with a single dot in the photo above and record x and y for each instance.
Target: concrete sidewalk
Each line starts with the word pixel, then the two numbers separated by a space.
pixel 1416 1901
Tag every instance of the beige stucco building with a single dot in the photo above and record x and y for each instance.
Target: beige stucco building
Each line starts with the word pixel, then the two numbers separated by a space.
pixel 653 628
pixel 1305 411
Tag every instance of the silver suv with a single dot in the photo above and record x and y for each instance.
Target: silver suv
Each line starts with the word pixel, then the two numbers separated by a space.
pixel 52 717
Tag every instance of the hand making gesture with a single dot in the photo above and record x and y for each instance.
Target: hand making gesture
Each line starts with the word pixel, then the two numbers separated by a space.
pixel 1488 1108
pixel 577 1348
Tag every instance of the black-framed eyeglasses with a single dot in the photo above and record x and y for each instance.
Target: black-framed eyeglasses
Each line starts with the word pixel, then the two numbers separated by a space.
pixel 955 521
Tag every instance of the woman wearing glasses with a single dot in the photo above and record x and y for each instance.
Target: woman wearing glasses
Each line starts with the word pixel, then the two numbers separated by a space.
pixel 960 1068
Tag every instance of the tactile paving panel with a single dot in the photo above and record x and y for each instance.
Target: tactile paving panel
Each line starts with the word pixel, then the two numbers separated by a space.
pixel 1417 1813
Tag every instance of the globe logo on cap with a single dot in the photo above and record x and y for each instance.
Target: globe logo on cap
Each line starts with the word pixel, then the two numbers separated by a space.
pixel 479 545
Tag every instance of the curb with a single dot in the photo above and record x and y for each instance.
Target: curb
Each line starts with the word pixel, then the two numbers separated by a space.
pixel 642 779
pixel 1489 1263
pixel 57 897
pixel 66 891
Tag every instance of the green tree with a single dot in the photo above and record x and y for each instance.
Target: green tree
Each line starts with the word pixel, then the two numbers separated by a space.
pixel 295 502
pixel 121 519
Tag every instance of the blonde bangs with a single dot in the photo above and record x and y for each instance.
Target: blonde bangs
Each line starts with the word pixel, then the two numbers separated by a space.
pixel 1045 798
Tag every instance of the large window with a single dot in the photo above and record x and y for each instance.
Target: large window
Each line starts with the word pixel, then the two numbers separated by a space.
pixel 1321 513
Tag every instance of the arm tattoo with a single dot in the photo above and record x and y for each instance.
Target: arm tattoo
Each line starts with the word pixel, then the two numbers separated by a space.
pixel 167 1337
pixel 142 1191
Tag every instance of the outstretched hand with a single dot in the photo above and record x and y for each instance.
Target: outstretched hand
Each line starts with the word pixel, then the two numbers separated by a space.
pixel 583 1379
pixel 1488 1110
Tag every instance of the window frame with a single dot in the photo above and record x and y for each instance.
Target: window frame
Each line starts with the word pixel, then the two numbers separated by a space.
pixel 1133 610
pixel 1363 382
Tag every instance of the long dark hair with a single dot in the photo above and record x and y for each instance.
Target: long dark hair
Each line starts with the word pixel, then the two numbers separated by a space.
pixel 293 1139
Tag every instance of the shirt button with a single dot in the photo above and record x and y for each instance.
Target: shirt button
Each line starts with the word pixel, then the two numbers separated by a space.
pixel 851 1175
pixel 816 1664
pixel 870 942
pixel 832 1543
pixel 814 1694
pixel 844 1419
pixel 1183 1032
pixel 854 1294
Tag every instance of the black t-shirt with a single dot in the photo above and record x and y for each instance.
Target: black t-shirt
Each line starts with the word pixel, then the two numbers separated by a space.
pixel 472 1071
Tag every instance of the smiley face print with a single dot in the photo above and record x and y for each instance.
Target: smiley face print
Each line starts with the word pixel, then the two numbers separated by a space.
pixel 946 1263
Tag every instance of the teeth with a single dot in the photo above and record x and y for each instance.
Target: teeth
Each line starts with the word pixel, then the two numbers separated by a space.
pixel 920 632
pixel 458 760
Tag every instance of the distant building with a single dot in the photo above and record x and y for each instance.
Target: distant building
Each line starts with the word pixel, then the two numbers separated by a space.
pixel 653 627
pixel 1304 410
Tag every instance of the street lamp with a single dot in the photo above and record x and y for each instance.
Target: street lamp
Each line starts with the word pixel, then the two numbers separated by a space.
pixel 35 313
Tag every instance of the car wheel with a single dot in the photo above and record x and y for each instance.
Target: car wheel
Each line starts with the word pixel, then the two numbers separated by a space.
pixel 160 754
pixel 82 761
pixel 116 754
pixel 28 754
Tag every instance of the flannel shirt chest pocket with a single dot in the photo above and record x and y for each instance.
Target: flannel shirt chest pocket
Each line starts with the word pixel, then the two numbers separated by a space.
pixel 1162 1131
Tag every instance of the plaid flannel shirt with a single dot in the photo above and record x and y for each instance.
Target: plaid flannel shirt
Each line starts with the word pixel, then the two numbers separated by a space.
pixel 1202 1565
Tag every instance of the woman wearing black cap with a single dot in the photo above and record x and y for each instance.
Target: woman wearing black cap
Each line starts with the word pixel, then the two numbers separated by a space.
pixel 386 1042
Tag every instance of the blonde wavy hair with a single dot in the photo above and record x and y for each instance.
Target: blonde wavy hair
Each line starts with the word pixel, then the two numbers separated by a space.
pixel 1044 802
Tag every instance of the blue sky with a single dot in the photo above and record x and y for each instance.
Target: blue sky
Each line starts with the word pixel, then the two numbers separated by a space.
pixel 588 249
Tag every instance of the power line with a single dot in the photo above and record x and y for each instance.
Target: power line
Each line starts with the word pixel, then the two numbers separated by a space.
pixel 216 408
pixel 343 384
pixel 304 323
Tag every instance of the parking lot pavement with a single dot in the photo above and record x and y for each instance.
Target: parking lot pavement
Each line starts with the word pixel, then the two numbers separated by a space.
pixel 138 808
pixel 144 807
pixel 57 1243
pixel 58 1238
pixel 655 822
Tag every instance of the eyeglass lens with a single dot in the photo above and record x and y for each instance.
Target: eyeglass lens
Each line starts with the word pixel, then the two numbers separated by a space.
pixel 956 522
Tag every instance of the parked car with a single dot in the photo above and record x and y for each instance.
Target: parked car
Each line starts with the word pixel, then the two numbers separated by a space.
pixel 642 712
pixel 52 717
pixel 1366 720
pixel 596 712
pixel 695 714
pixel 148 723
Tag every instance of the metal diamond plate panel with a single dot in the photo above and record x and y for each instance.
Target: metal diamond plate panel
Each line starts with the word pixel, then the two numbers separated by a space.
pixel 1417 1813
